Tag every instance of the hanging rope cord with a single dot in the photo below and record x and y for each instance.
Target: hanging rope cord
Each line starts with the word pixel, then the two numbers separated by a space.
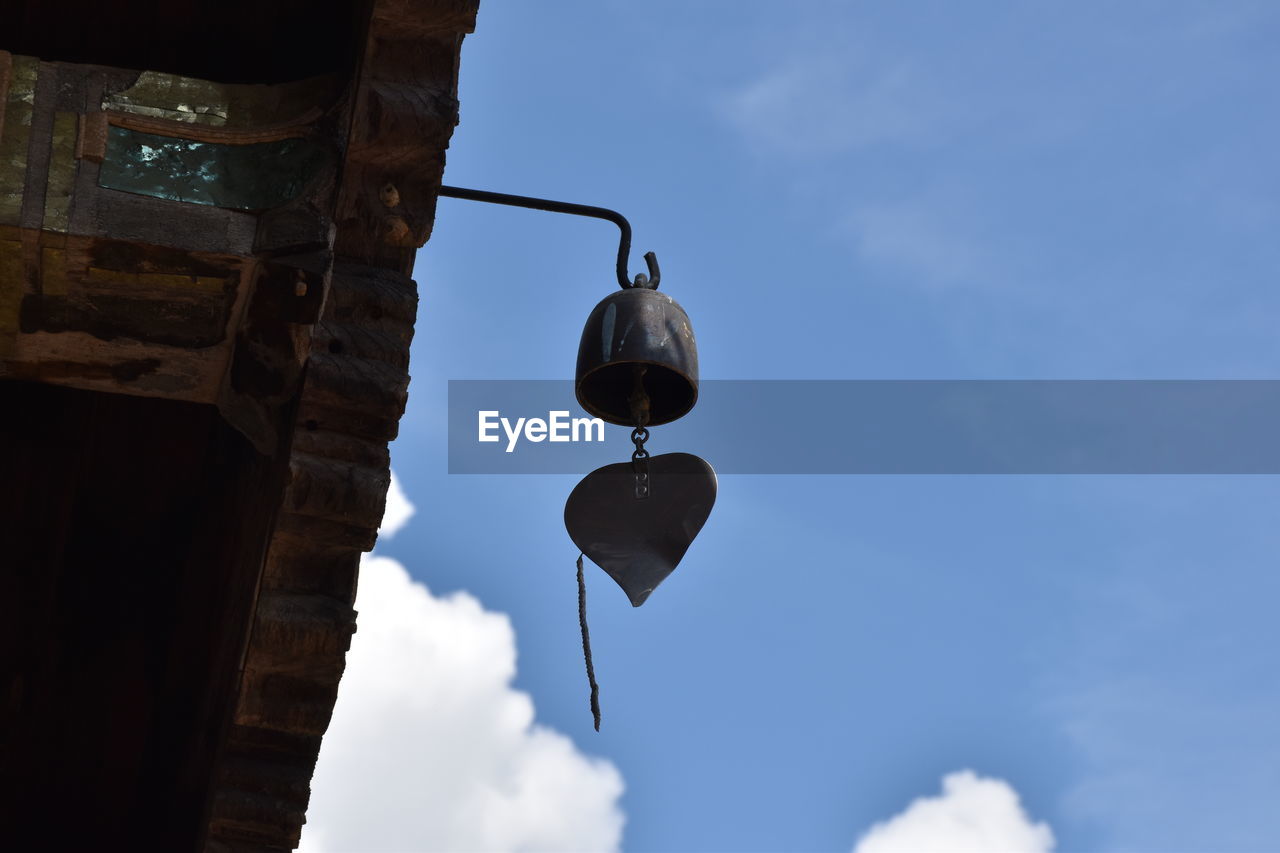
pixel 586 645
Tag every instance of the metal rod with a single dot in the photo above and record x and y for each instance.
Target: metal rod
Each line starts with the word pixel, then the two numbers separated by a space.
pixel 624 244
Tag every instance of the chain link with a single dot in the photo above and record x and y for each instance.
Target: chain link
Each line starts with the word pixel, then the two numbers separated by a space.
pixel 639 436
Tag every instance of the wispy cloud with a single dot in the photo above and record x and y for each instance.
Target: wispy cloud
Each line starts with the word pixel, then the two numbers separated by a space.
pixel 836 101
pixel 974 814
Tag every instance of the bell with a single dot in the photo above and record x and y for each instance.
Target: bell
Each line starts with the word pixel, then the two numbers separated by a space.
pixel 637 340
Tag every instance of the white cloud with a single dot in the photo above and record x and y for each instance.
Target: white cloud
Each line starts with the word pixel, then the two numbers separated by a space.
pixel 398 512
pixel 973 815
pixel 431 749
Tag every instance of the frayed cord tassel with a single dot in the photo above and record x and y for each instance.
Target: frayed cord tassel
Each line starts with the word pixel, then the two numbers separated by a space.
pixel 586 645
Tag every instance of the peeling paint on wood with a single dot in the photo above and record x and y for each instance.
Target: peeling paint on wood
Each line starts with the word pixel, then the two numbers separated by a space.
pixel 203 102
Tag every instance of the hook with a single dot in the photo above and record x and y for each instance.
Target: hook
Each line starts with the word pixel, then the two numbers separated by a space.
pixel 624 243
pixel 655 275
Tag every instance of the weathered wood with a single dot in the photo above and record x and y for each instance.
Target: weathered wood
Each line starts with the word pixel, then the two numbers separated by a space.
pixel 405 17
pixel 342 446
pixel 91 144
pixel 255 822
pixel 287 702
pixel 370 296
pixel 368 425
pixel 106 315
pixel 297 571
pixel 296 128
pixel 303 635
pixel 39 147
pixel 405 111
pixel 302 531
pixel 295 322
pixel 337 489
pixel 331 510
pixel 161 222
pixel 270 348
pixel 52 153
pixel 287 780
pixel 364 343
pixel 347 380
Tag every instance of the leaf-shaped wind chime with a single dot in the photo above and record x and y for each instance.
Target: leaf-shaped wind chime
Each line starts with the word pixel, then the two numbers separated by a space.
pixel 637 367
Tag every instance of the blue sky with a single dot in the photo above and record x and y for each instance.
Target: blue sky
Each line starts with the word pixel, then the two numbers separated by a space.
pixel 874 190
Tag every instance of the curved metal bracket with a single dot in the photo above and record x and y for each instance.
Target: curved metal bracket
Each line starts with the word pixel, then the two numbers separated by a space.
pixel 650 281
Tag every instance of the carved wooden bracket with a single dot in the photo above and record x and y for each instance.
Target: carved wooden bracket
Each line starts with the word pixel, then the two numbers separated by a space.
pixel 404 113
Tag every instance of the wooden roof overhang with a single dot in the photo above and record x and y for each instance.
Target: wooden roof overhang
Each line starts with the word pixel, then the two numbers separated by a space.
pixel 230 370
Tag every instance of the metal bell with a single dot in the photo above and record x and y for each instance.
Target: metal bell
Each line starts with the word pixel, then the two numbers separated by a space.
pixel 637 340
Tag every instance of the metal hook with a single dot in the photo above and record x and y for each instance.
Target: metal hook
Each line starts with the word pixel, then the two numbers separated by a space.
pixel 655 274
pixel 624 244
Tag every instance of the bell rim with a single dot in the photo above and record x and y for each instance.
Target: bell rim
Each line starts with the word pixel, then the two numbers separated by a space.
pixel 592 410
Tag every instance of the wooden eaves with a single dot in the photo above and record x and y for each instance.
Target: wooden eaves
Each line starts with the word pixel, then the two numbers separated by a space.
pixel 196 401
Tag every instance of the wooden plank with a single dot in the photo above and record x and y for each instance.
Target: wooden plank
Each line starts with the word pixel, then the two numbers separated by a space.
pixel 39 146
pixel 15 134
pixel 91 144
pixel 62 172
pixel 110 316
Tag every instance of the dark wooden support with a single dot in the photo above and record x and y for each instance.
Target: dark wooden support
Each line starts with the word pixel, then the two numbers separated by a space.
pixel 352 398
pixel 197 403
pixel 404 115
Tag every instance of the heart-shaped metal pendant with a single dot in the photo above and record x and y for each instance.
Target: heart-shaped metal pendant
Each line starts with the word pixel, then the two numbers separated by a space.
pixel 638 526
